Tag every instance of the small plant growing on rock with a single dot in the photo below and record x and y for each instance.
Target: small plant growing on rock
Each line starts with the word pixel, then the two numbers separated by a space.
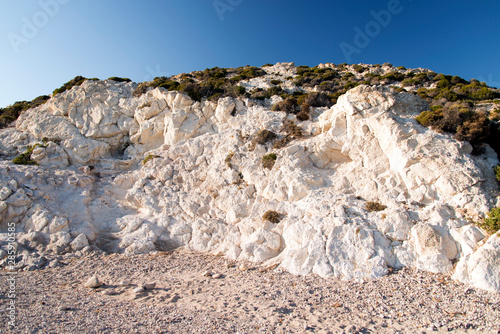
pixel 25 158
pixel 497 172
pixel 269 160
pixel 264 136
pixel 272 216
pixel 118 79
pixel 375 206
pixel 280 143
pixel 240 90
pixel 289 105
pixel 303 115
pixel 492 221
pixel 316 99
pixel 228 160
pixel 149 158
pixel 291 129
pixel 77 81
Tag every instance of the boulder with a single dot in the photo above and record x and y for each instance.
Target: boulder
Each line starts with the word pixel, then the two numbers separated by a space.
pixel 79 242
pixel 482 268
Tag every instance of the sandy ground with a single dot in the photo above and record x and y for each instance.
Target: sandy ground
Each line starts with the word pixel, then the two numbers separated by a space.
pixel 241 300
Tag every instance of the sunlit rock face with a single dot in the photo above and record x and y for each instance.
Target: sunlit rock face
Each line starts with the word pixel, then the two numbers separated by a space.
pixel 161 171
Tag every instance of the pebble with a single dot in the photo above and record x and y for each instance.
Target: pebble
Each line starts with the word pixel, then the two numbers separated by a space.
pixel 110 292
pixel 217 275
pixel 207 273
pixel 138 289
pixel 149 286
pixel 93 283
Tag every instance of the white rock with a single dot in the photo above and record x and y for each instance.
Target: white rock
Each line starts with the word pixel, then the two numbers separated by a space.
pixel 207 273
pixel 79 242
pixel 5 193
pixel 59 224
pixel 93 283
pixel 482 268
pixel 468 237
pixel 19 198
pixel 224 109
pixel 138 289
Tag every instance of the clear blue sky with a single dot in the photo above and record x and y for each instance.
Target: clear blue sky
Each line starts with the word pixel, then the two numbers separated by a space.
pixel 43 45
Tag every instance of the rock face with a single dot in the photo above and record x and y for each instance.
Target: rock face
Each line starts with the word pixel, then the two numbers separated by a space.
pixel 160 171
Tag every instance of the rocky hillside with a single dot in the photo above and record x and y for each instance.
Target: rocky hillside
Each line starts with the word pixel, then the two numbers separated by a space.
pixel 343 171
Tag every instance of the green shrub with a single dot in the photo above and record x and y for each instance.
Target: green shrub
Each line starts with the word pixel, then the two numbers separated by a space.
pixel 457 80
pixel 170 85
pixel 25 158
pixel 316 99
pixel 303 114
pixel 76 81
pixel 475 130
pixel 302 69
pixel 276 90
pixel 441 76
pixel 291 129
pixel 443 83
pixel 409 82
pixel 210 73
pixel 117 79
pixel 193 90
pixel 275 82
pixel 269 160
pixel 282 142
pixel 375 206
pixel 351 85
pixel 492 221
pixel 348 75
pixel 359 68
pixel 247 72
pixel 264 136
pixel 429 117
pixel 394 76
pixel 240 90
pixel 11 113
pixel 478 91
pixel 448 94
pixel 260 94
pixel 289 105
pixel 272 216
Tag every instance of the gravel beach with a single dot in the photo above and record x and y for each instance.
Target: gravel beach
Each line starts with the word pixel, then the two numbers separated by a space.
pixel 185 292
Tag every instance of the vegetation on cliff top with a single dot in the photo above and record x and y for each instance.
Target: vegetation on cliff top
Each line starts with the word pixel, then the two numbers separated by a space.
pixel 453 100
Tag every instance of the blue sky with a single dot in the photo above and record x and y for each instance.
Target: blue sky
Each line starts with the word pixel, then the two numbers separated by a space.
pixel 45 43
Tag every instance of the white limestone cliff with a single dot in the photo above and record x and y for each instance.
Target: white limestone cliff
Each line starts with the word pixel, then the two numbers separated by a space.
pixel 92 188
